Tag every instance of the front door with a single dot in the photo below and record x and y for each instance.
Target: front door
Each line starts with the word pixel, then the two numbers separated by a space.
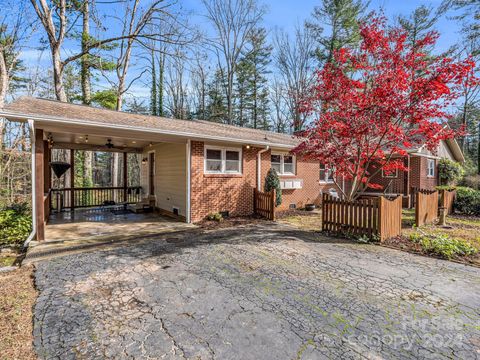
pixel 151 173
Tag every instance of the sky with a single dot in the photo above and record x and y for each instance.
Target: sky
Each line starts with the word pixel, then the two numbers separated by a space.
pixel 282 14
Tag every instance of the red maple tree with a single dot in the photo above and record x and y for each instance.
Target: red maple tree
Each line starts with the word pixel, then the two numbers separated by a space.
pixel 374 102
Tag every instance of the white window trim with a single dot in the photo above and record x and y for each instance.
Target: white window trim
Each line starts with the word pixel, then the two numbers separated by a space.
pixel 223 159
pixel 393 175
pixel 326 179
pixel 430 161
pixel 282 168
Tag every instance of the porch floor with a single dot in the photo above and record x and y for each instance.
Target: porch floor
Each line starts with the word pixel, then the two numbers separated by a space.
pixel 104 223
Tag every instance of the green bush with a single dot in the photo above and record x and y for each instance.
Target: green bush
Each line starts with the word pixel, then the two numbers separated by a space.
pixel 467 201
pixel 215 217
pixel 272 181
pixel 443 245
pixel 15 224
pixel 472 181
pixel 449 172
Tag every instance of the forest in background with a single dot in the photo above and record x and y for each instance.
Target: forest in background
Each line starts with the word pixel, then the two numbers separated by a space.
pixel 150 57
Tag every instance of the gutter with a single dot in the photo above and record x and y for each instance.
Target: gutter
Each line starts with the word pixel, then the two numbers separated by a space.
pixel 259 167
pixel 23 117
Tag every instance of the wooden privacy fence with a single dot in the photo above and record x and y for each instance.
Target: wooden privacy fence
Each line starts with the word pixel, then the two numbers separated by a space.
pixel 426 207
pixel 371 217
pixel 413 194
pixel 447 198
pixel 264 203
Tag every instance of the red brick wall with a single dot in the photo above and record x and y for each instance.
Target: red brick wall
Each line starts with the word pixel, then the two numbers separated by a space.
pixel 219 192
pixel 234 193
pixel 418 173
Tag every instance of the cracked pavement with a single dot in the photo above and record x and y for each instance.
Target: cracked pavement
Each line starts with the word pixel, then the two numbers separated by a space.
pixel 264 291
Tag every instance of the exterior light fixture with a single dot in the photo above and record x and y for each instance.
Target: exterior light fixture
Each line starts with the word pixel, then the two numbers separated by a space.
pixel 50 140
pixel 151 144
pixel 86 138
pixel 247 147
pixel 144 161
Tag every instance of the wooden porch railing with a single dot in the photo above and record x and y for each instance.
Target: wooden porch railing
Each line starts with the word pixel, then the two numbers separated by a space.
pixel 89 197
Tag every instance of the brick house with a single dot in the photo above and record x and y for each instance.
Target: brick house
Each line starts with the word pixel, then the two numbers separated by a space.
pixel 189 167
pixel 422 174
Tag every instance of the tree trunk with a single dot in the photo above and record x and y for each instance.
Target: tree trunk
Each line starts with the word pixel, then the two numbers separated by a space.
pixel 161 76
pixel 3 78
pixel 84 61
pixel 58 75
pixel 478 150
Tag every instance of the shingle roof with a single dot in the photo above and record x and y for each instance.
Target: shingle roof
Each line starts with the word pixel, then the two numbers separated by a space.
pixel 195 128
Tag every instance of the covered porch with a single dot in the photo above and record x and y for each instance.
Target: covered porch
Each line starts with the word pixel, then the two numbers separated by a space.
pixel 105 223
pixel 130 205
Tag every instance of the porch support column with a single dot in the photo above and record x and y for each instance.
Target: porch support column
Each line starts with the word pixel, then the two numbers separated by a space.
pixel 72 179
pixel 39 185
pixel 125 176
pixel 46 179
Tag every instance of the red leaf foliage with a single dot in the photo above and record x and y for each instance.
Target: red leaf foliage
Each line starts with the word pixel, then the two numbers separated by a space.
pixel 376 101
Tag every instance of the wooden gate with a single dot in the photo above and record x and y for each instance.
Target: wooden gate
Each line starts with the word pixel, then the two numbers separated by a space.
pixel 426 207
pixel 376 216
pixel 390 217
pixel 264 203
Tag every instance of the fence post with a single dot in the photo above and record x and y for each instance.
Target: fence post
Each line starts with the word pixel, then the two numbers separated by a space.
pixel 255 201
pixel 273 203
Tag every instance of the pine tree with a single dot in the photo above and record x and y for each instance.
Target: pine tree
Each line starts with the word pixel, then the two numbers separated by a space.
pixel 419 24
pixel 217 104
pixel 251 76
pixel 242 93
pixel 342 18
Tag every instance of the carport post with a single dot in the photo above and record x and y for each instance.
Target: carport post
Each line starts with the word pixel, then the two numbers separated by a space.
pixel 38 188
pixel 72 179
pixel 125 176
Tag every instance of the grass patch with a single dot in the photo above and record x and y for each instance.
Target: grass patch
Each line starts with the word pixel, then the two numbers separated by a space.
pixel 304 220
pixel 7 260
pixel 17 297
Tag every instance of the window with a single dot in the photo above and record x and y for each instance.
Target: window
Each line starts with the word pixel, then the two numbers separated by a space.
pixel 326 174
pixel 430 167
pixel 222 160
pixel 390 174
pixel 283 164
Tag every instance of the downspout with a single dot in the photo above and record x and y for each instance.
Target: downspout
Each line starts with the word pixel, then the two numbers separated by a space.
pixel 189 172
pixel 34 218
pixel 259 167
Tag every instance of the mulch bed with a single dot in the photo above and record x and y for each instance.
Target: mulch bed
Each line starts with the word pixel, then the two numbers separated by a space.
pixel 17 297
pixel 404 244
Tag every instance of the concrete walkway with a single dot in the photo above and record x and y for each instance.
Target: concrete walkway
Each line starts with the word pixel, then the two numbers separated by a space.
pixel 257 292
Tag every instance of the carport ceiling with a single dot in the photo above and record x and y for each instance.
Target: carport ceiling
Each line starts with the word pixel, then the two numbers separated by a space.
pixel 95 140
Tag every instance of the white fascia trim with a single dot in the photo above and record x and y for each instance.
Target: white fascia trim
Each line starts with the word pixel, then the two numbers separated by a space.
pixel 426 155
pixel 19 116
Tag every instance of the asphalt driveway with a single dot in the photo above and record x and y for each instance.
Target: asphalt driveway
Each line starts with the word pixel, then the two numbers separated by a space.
pixel 259 292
